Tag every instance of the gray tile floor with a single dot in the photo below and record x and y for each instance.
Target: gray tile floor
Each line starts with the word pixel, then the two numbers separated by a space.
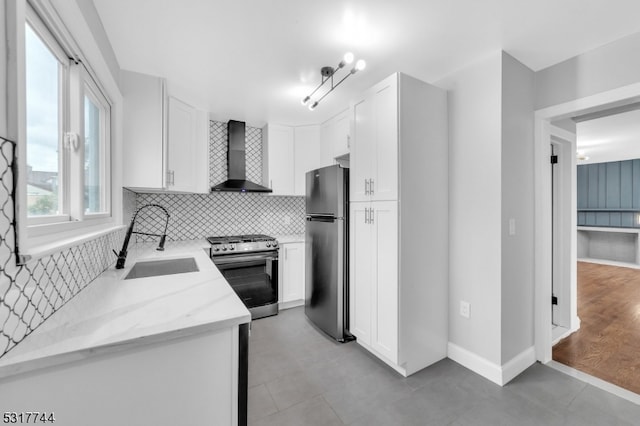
pixel 299 377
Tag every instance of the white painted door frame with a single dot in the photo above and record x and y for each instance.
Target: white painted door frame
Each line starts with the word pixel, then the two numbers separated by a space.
pixel 543 219
pixel 564 234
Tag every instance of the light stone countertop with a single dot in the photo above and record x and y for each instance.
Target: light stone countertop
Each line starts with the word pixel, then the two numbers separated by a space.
pixel 111 313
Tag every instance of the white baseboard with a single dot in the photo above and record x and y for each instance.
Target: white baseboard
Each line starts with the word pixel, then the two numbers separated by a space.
pixel 475 363
pixel 500 375
pixel 518 364
pixel 290 304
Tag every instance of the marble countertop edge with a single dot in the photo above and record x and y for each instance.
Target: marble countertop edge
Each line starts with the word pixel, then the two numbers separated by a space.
pixel 112 314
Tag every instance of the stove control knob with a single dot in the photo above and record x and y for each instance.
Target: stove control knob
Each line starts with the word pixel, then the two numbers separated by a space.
pixel 232 247
pixel 224 249
pixel 268 244
pixel 275 244
pixel 216 248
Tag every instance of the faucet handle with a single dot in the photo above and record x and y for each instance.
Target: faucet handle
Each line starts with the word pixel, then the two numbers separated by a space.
pixel 161 244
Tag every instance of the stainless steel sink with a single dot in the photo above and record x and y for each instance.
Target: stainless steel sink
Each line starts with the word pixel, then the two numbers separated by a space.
pixel 154 268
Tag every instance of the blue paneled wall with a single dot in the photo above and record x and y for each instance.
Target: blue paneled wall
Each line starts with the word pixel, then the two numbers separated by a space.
pixel 609 194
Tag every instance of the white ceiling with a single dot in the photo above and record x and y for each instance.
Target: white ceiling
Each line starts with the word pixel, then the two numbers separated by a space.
pixel 253 60
pixel 612 138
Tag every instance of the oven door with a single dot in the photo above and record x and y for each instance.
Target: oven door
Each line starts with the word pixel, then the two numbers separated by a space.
pixel 254 276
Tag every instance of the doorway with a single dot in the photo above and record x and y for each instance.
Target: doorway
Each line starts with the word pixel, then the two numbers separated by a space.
pixel 555 237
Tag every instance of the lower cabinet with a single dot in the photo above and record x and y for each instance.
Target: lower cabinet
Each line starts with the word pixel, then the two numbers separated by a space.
pixel 291 276
pixel 374 276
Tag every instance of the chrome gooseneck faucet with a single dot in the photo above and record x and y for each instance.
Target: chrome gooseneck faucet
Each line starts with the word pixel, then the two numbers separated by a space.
pixel 122 256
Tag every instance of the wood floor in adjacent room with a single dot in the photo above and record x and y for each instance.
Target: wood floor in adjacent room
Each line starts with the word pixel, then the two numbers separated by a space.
pixel 607 345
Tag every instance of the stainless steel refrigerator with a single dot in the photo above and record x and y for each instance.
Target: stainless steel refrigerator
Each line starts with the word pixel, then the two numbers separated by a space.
pixel 327 250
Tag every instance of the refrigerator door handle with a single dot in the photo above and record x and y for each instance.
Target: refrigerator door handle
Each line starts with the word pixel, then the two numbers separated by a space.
pixel 366 215
pixel 371 186
pixel 371 215
pixel 366 187
pixel 322 218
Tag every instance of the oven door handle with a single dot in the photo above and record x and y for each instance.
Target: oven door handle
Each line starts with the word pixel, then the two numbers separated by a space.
pixel 243 259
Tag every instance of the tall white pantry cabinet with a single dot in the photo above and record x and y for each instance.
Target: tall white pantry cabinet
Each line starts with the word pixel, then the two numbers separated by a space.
pixel 399 223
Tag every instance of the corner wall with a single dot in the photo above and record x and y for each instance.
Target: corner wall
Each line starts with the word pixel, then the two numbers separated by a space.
pixel 517 209
pixel 474 207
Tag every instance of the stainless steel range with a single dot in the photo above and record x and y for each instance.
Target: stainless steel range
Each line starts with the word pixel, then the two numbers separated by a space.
pixel 250 265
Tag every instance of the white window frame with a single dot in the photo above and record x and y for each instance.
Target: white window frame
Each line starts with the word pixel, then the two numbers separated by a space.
pixel 69 29
pixel 49 40
pixel 93 92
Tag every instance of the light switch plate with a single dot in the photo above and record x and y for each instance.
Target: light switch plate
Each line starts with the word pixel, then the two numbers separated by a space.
pixel 465 309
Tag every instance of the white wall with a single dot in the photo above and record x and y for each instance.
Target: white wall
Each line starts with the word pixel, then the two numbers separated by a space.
pixel 517 205
pixel 475 206
pixel 608 67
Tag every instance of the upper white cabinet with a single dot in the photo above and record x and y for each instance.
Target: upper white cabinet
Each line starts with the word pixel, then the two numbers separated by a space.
pixel 288 153
pixel 399 204
pixel 188 155
pixel 374 151
pixel 144 131
pixel 278 159
pixel 336 137
pixel 165 140
pixel 307 153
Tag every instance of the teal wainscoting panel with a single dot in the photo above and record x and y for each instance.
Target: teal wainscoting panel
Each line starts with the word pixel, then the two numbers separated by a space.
pixel 608 194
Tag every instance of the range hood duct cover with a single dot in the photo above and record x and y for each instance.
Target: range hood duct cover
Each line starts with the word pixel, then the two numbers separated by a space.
pixel 237 163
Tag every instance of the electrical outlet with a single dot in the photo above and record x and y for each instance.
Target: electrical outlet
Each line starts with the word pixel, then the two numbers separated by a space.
pixel 465 309
pixel 286 220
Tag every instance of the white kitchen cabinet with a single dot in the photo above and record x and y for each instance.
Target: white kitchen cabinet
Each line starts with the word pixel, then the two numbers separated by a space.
pixel 374 151
pixel 398 304
pixel 374 276
pixel 292 274
pixel 165 140
pixel 187 149
pixel 306 155
pixel 288 153
pixel 278 159
pixel 335 138
pixel 144 130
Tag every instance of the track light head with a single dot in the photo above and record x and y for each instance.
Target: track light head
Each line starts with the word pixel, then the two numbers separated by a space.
pixel 328 73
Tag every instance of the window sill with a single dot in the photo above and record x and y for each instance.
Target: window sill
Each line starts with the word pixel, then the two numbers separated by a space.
pixel 43 246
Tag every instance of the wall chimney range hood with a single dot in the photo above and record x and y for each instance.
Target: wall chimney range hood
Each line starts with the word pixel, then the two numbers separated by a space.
pixel 236 162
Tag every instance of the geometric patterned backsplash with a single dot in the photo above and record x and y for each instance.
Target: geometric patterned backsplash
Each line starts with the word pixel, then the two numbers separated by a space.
pixel 29 294
pixel 196 216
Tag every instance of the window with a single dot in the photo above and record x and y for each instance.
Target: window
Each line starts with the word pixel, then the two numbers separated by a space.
pixel 67 136
pixel 45 76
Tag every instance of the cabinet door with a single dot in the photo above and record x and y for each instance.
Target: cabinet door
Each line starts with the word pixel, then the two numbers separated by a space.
pixel 186 149
pixel 326 148
pixel 292 260
pixel 361 272
pixel 385 179
pixel 362 148
pixel 307 155
pixel 384 327
pixel 143 131
pixel 278 160
pixel 341 139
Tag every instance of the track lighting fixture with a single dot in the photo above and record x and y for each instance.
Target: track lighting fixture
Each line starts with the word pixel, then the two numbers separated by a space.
pixel 327 74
